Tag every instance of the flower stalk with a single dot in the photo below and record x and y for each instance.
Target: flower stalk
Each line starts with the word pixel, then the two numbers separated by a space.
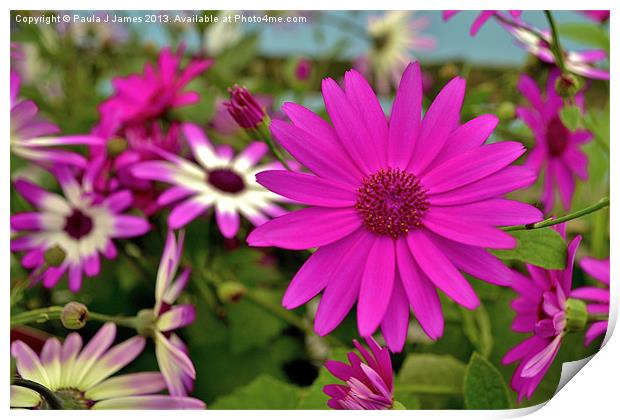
pixel 556 47
pixel 53 402
pixel 55 312
pixel 603 203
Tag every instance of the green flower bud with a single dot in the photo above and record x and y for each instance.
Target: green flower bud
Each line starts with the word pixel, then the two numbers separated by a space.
pixel 145 322
pixel 55 256
pixel 230 291
pixel 115 146
pixel 576 315
pixel 506 110
pixel 74 315
pixel 567 85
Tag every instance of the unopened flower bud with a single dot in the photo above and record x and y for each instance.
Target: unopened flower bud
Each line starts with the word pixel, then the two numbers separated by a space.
pixel 231 291
pixel 74 315
pixel 54 256
pixel 115 146
pixel 567 85
pixel 244 108
pixel 303 69
pixel 576 315
pixel 145 322
pixel 506 110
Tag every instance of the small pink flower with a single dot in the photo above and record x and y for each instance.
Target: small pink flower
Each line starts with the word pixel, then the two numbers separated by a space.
pixel 369 380
pixel 398 207
pixel 543 310
pixel 303 69
pixel 143 97
pixel 596 297
pixel 482 18
pixel 77 227
pixel 556 152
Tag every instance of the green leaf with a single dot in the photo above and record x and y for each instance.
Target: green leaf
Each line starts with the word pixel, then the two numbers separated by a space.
pixel 483 386
pixel 541 247
pixel 431 374
pixel 477 329
pixel 313 397
pixel 586 33
pixel 570 116
pixel 264 393
pixel 250 325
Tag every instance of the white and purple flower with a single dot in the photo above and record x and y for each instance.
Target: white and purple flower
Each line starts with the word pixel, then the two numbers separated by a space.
pixel 80 377
pixel 72 229
pixel 218 179
pixel 160 322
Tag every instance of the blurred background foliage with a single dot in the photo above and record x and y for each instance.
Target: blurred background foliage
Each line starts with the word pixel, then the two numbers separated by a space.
pixel 248 351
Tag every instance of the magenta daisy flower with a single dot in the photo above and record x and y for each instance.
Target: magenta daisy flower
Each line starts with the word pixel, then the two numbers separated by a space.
pixel 33 138
pixel 161 321
pixel 369 380
pixel 143 97
pixel 538 43
pixel 73 229
pixel 218 179
pixel 80 377
pixel 597 298
pixel 481 19
pixel 397 209
pixel 543 309
pixel 556 153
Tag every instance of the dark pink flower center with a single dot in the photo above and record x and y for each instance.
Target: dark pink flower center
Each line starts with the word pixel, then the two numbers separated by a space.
pixel 78 224
pixel 557 137
pixel 391 202
pixel 226 180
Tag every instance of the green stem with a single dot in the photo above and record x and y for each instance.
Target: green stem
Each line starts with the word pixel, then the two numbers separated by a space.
pixel 603 203
pixel 123 321
pixel 55 312
pixel 53 402
pixel 275 309
pixel 264 134
pixel 597 317
pixel 37 316
pixel 555 42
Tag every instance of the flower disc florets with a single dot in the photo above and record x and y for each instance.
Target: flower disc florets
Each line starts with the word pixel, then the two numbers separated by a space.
pixel 391 202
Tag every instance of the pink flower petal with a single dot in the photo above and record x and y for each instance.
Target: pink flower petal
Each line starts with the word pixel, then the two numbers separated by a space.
pixel 440 270
pixel 306 228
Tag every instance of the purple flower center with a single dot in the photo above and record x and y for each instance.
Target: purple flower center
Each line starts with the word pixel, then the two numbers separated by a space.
pixel 557 137
pixel 391 202
pixel 226 180
pixel 78 224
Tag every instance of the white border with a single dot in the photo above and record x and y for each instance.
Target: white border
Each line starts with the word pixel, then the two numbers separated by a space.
pixel 593 393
